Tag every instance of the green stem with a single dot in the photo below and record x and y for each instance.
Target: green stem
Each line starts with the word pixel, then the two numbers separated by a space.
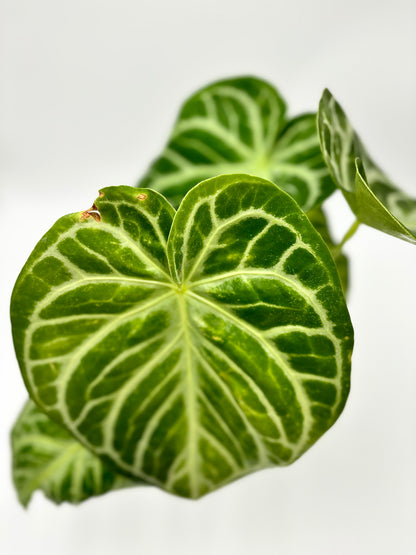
pixel 351 231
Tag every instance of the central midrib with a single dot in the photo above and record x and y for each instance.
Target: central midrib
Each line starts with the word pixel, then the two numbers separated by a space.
pixel 190 399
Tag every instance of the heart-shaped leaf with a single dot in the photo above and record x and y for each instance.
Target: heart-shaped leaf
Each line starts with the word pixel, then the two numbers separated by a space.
pixel 188 349
pixel 240 125
pixel 48 458
pixel 374 199
pixel 41 447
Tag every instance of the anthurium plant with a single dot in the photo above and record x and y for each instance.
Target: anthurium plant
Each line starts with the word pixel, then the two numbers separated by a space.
pixel 193 329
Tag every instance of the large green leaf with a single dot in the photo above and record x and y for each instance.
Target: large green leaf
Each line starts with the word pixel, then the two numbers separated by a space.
pixel 48 458
pixel 192 352
pixel 240 125
pixel 37 467
pixel 374 199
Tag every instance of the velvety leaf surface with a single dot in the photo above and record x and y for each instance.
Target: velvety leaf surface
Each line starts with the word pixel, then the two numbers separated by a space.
pixel 374 199
pixel 240 125
pixel 48 458
pixel 188 351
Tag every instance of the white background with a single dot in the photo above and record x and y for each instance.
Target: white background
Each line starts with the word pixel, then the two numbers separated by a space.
pixel 89 90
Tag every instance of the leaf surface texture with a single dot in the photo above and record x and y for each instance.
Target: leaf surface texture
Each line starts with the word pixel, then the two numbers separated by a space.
pixel 240 126
pixel 188 348
pixel 373 198
pixel 46 457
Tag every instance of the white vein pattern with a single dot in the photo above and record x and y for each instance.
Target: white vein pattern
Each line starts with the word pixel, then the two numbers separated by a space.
pixel 48 458
pixel 239 126
pixel 178 385
pixel 248 273
pixel 368 190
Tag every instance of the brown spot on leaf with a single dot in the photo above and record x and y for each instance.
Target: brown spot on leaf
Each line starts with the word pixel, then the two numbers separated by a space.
pixel 142 196
pixel 93 212
pixel 96 216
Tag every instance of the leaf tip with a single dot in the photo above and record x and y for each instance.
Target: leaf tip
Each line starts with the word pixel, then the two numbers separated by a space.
pixel 327 93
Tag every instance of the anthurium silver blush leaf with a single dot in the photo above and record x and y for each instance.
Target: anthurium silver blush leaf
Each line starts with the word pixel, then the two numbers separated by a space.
pixel 374 199
pixel 190 348
pixel 47 457
pixel 240 125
